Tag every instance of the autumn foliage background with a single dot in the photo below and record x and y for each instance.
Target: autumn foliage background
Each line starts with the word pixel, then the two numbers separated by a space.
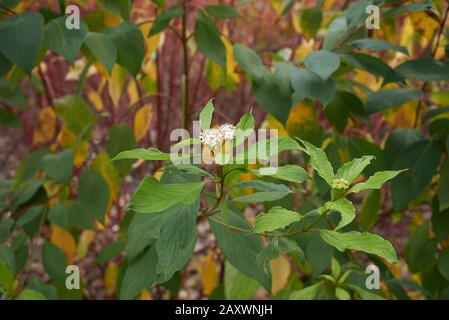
pixel 142 111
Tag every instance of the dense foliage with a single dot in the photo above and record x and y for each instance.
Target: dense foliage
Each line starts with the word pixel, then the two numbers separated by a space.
pixel 87 177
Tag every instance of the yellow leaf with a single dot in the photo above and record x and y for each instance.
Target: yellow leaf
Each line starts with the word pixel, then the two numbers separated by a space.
pixel 402 116
pixel 425 22
pixel 133 92
pixel 302 121
pixel 142 121
pixel 328 4
pixel 95 98
pixel 110 277
pixel 280 270
pixel 46 124
pixel 151 43
pixel 246 177
pixel 110 19
pixel 104 166
pixel 231 64
pixel 273 123
pixel 81 153
pixel 116 83
pixel 64 240
pixel 209 274
pixel 145 295
pixel 304 48
pixel 86 238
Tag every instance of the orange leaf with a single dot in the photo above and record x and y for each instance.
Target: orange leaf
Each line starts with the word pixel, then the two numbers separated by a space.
pixel 209 274
pixel 46 125
pixel 64 240
pixel 142 121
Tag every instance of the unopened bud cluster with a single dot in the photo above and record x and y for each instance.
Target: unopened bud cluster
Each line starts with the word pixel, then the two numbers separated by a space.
pixel 340 184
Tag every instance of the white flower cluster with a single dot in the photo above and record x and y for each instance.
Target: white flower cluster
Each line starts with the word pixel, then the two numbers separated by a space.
pixel 213 138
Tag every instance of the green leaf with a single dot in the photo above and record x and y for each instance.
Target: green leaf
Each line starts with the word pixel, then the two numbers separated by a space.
pixel 273 93
pixel 287 172
pixel 375 181
pixel 246 124
pixel 345 208
pixel 342 294
pixel 54 262
pixel 398 140
pixel 276 218
pixel 29 294
pixel 308 293
pixel 421 69
pixel 153 196
pixel 270 191
pixel 206 115
pixel 237 285
pixel 249 61
pixel 343 105
pixel 93 194
pixel 75 113
pixel 22 35
pixel 58 167
pixel 177 240
pixel 319 162
pixel 370 208
pixel 322 62
pixel 336 33
pixel 65 42
pixel 121 137
pixel 110 251
pixel 139 275
pixel 164 18
pixel 221 11
pixel 31 219
pixel 389 98
pixel 369 63
pixel 443 186
pixel 420 250
pixel 144 228
pixel 103 48
pixel 6 278
pixel 38 284
pixel 310 21
pixel 141 153
pixel 11 94
pixel 422 158
pixel 426 5
pixel 365 294
pixel 59 215
pixel 121 7
pixel 207 38
pixel 377 44
pixel 351 170
pixel 443 263
pixel 240 249
pixel 129 42
pixel 309 85
pixel 366 242
pixel 8 119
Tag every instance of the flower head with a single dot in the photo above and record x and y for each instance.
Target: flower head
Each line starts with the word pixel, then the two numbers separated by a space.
pixel 212 138
pixel 340 184
pixel 227 131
